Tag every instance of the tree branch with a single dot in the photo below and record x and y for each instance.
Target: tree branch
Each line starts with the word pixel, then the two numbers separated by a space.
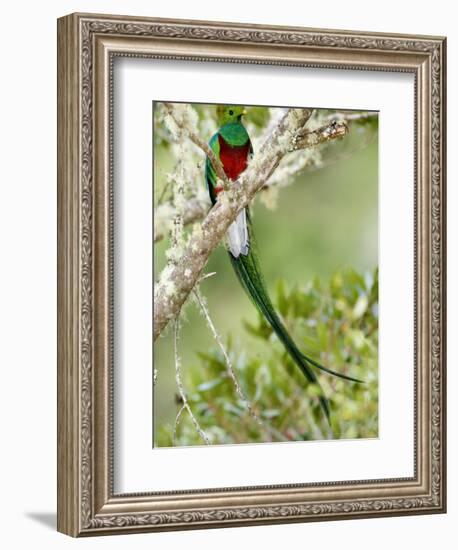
pixel 328 132
pixel 196 208
pixel 351 117
pixel 178 279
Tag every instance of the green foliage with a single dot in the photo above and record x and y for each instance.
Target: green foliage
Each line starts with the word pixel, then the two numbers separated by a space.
pixel 335 323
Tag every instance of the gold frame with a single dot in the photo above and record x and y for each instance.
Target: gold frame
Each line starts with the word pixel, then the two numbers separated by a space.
pixel 87 45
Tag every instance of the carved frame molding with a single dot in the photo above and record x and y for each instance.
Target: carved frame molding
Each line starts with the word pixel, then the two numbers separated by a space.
pixel 87 45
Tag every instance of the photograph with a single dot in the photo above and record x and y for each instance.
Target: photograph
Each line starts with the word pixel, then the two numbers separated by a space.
pixel 278 340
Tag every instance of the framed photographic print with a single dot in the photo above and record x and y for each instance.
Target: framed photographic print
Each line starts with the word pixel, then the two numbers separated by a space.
pixel 251 285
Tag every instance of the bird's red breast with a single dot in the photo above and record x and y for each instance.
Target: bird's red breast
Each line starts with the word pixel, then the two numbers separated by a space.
pixel 233 159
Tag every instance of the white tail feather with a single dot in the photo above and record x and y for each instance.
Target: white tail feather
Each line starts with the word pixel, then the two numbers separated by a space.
pixel 237 236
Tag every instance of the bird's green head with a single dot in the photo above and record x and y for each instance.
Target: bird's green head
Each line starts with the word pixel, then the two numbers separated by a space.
pixel 228 114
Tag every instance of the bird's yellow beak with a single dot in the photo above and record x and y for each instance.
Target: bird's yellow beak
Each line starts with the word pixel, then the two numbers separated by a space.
pixel 244 112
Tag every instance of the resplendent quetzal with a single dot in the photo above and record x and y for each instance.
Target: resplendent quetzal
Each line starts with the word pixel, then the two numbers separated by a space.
pixel 232 146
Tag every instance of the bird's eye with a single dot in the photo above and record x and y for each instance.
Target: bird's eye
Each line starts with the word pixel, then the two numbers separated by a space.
pixel 231 112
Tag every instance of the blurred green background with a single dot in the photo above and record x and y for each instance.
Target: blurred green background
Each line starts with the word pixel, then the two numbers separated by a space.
pixel 325 225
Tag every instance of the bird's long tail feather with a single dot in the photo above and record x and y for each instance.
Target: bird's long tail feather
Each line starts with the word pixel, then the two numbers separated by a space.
pixel 248 271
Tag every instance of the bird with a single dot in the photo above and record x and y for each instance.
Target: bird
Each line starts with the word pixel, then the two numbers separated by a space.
pixel 232 146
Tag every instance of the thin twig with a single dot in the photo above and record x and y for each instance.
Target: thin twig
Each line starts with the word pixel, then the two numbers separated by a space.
pixel 163 192
pixel 344 154
pixel 181 390
pixel 207 276
pixel 217 166
pixel 230 369
pixel 175 426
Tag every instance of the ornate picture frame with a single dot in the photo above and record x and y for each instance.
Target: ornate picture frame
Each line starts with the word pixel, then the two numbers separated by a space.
pixel 87 46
